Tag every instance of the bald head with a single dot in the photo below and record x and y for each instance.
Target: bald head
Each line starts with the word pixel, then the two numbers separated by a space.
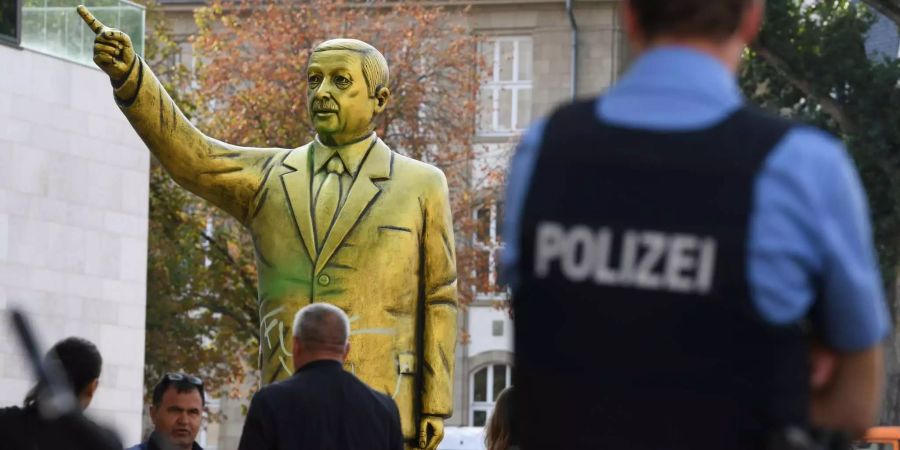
pixel 321 327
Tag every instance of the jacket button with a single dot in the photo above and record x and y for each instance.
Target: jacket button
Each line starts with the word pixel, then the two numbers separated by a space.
pixel 324 280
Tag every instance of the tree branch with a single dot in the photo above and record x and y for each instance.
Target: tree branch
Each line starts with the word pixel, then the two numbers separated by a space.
pixel 248 282
pixel 888 8
pixel 828 104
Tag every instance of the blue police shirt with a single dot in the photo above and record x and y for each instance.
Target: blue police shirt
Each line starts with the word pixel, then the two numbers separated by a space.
pixel 810 219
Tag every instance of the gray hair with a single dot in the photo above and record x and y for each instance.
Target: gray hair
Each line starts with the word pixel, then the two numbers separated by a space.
pixel 374 66
pixel 322 324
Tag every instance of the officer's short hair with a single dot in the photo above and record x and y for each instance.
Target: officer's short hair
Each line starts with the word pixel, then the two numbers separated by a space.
pixel 715 19
pixel 374 66
pixel 322 324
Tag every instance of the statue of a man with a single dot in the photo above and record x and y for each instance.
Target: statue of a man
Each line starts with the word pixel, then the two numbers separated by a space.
pixel 342 219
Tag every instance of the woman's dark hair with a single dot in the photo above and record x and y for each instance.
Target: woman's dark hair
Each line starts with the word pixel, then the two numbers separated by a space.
pixel 80 360
pixel 715 19
pixel 498 434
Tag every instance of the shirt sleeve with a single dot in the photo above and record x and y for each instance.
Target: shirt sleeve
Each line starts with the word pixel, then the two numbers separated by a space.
pixel 521 168
pixel 811 240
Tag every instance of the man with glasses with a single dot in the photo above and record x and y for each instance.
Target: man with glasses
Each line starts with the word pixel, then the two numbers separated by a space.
pixel 177 413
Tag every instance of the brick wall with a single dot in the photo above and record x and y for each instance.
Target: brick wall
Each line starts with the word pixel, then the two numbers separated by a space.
pixel 73 226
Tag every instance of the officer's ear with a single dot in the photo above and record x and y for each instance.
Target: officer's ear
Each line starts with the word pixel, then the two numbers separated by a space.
pixel 636 35
pixel 751 21
pixel 382 95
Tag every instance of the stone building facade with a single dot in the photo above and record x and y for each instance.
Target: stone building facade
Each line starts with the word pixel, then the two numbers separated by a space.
pixel 73 226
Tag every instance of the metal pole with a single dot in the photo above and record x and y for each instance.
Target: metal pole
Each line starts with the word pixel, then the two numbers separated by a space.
pixel 574 25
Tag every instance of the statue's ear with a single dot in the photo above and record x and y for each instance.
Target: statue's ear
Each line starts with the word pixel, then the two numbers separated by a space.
pixel 382 94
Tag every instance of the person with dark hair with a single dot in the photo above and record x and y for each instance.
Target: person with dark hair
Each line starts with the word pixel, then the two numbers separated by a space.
pixel 24 428
pixel 673 254
pixel 176 412
pixel 81 362
pixel 498 434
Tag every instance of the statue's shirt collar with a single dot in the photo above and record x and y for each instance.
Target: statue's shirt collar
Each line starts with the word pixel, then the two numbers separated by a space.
pixel 351 154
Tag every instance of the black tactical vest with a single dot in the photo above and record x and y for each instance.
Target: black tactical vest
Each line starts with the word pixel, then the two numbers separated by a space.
pixel 634 326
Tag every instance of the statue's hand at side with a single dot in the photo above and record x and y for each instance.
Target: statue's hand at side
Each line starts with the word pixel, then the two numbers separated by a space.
pixel 431 432
pixel 113 51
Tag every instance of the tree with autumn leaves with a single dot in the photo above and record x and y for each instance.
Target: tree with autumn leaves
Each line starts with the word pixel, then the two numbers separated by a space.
pixel 811 63
pixel 249 88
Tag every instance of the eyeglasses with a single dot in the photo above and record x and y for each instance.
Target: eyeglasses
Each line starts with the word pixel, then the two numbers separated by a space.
pixel 169 377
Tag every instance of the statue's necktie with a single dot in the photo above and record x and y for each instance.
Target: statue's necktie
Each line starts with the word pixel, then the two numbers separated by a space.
pixel 328 198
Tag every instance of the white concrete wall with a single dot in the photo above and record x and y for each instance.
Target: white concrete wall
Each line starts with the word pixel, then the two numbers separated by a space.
pixel 73 226
pixel 481 319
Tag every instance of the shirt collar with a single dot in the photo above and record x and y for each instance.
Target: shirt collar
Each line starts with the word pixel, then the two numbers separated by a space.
pixel 323 363
pixel 152 443
pixel 351 154
pixel 682 71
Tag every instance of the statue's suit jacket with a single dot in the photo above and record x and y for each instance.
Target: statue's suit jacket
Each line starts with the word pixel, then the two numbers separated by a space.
pixel 388 261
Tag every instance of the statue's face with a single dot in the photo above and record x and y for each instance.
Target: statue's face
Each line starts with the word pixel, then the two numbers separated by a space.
pixel 339 104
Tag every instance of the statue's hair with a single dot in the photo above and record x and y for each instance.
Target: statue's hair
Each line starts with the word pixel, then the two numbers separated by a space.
pixel 374 66
pixel 322 325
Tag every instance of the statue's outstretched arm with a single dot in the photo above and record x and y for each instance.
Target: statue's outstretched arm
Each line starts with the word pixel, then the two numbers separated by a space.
pixel 227 175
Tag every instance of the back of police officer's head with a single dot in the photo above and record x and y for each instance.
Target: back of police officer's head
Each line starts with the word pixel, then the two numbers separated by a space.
pixel 722 27
pixel 81 363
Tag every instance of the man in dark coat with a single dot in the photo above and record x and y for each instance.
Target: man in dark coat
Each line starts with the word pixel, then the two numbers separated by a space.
pixel 321 406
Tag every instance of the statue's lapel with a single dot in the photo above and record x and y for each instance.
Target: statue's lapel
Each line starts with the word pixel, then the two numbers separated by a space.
pixel 375 167
pixel 297 186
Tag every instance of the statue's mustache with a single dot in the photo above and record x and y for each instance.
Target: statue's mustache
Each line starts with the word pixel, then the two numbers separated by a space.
pixel 325 105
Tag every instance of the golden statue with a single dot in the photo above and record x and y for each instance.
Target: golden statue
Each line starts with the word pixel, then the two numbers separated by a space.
pixel 342 219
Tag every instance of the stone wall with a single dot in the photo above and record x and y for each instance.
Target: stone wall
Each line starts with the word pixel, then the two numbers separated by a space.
pixel 73 226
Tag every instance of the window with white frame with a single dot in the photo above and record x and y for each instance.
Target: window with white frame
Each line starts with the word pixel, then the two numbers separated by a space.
pixel 486 385
pixel 505 95
pixel 488 223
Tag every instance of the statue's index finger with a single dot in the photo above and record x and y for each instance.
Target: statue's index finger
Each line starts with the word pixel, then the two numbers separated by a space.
pixel 89 19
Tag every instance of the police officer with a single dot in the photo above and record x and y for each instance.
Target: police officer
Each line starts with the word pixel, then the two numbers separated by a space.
pixel 673 253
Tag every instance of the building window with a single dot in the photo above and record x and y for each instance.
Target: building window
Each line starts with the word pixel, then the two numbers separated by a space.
pixel 487 384
pixel 505 95
pixel 497 328
pixel 488 221
pixel 10 21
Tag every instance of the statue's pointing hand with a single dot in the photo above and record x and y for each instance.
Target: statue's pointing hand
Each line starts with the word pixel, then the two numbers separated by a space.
pixel 113 51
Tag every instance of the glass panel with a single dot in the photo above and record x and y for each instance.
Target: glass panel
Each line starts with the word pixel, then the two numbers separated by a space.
pixel 523 108
pixel 55 28
pixel 483 230
pixel 525 58
pixel 505 110
pixel 507 51
pixel 499 380
pixel 486 109
pixel 498 285
pixel 480 391
pixel 487 52
pixel 479 418
pixel 9 13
